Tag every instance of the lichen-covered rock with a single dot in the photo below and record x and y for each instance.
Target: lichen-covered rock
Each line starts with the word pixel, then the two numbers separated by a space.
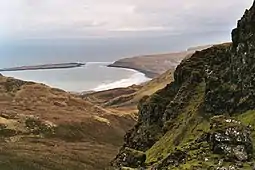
pixel 230 138
pixel 129 158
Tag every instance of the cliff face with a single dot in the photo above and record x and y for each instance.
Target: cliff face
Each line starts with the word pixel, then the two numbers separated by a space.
pixel 203 120
pixel 237 77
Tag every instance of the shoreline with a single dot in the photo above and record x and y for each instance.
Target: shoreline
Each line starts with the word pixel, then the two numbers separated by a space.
pixel 148 74
pixel 116 84
pixel 133 76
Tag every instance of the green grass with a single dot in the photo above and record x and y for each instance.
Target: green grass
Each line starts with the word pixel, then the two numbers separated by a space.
pixel 248 118
pixel 184 129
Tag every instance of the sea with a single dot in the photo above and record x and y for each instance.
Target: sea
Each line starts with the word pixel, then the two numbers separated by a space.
pixel 96 53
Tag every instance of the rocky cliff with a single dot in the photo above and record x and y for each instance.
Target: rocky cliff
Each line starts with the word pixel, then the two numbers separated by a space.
pixel 204 119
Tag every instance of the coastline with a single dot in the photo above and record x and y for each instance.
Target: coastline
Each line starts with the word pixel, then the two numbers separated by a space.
pixel 147 73
pixel 137 78
pixel 93 76
pixel 44 67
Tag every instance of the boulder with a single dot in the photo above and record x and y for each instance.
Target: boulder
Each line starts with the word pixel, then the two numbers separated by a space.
pixel 231 139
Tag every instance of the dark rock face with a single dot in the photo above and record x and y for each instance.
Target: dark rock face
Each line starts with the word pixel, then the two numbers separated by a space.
pixel 204 66
pixel 236 77
pixel 149 127
pixel 243 60
pixel 219 92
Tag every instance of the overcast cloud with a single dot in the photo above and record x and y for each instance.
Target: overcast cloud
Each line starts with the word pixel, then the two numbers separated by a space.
pixel 97 18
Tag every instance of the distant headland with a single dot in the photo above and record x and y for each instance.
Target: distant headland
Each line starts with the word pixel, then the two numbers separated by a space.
pixel 44 67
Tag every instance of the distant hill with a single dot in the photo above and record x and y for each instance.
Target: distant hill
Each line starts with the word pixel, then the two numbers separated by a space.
pixel 154 65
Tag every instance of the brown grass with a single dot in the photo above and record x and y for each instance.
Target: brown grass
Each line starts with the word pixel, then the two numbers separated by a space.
pixel 86 135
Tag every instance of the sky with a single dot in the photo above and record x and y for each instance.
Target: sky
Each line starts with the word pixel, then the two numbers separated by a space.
pixel 39 19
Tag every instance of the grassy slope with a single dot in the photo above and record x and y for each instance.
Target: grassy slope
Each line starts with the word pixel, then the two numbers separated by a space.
pixel 185 128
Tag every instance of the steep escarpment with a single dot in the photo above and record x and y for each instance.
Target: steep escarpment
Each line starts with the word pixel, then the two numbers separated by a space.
pixel 202 120
pixel 237 78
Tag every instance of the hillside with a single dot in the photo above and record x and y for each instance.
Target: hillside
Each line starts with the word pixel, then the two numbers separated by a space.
pixel 47 128
pixel 128 98
pixel 43 128
pixel 205 118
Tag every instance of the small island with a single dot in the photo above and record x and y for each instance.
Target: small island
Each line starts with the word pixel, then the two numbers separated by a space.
pixel 44 67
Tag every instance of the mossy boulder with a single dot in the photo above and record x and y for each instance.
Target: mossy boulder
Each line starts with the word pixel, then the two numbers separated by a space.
pixel 230 138
pixel 129 158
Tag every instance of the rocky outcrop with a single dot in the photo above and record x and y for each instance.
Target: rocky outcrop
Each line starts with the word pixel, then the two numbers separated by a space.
pixel 193 123
pixel 231 139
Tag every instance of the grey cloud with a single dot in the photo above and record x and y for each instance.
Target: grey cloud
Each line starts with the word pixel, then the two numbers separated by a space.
pixel 218 15
pixel 103 17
